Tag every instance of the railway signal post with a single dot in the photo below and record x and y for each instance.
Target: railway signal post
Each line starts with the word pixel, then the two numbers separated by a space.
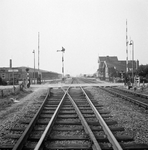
pixel 27 78
pixel 63 50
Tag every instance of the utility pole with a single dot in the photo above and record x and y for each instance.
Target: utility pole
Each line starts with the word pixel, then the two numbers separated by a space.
pixel 126 49
pixel 34 66
pixel 38 51
pixel 39 73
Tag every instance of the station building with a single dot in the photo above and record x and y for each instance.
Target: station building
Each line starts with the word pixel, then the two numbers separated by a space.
pixel 16 74
pixel 110 66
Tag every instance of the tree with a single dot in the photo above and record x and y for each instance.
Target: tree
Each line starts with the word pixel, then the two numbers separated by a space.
pixel 143 71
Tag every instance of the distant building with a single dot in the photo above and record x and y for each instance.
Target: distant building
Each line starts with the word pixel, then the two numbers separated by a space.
pixel 110 67
pixel 19 74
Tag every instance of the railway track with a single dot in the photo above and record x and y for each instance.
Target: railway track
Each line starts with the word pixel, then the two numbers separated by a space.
pixel 87 80
pixel 136 98
pixel 70 118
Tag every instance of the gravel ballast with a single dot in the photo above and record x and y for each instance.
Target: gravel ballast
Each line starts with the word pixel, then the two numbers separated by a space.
pixel 10 116
pixel 132 117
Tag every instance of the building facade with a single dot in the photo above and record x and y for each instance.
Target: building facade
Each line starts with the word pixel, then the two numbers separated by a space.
pixel 110 67
pixel 16 74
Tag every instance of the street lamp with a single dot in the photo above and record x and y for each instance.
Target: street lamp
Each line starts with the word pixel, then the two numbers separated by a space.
pixel 34 66
pixel 132 43
pixel 63 50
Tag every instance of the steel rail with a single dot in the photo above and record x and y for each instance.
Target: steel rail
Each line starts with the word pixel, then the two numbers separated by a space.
pixel 134 93
pixel 96 145
pixel 20 143
pixel 111 137
pixel 49 126
pixel 128 98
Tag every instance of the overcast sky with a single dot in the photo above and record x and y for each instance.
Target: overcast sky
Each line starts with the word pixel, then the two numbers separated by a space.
pixel 85 28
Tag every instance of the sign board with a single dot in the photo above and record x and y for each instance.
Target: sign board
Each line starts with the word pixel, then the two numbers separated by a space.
pixel 13 70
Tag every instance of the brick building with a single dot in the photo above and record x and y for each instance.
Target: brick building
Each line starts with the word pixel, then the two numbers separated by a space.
pixel 110 67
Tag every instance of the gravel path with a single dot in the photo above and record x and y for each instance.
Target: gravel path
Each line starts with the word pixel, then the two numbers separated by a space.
pixel 10 116
pixel 133 118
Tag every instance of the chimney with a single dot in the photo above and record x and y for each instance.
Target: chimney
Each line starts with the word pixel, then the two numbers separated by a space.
pixel 10 63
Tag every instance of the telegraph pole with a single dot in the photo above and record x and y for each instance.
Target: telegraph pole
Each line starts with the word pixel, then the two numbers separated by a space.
pixel 126 49
pixel 38 51
pixel 34 66
pixel 39 74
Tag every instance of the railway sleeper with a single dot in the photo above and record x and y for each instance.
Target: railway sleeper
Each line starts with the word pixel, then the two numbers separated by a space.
pixel 84 105
pixel 84 112
pixel 69 122
pixel 81 108
pixel 69 128
pixel 35 135
pixel 90 122
pixel 60 116
pixel 104 146
pixel 75 116
pixel 101 138
pixel 69 145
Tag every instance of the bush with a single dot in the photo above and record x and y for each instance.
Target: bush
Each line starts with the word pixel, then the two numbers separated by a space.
pixel 143 79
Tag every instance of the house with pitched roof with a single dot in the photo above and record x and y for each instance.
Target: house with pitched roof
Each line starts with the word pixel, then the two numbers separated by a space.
pixel 110 67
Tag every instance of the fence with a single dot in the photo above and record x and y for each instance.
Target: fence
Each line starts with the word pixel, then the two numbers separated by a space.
pixel 12 90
